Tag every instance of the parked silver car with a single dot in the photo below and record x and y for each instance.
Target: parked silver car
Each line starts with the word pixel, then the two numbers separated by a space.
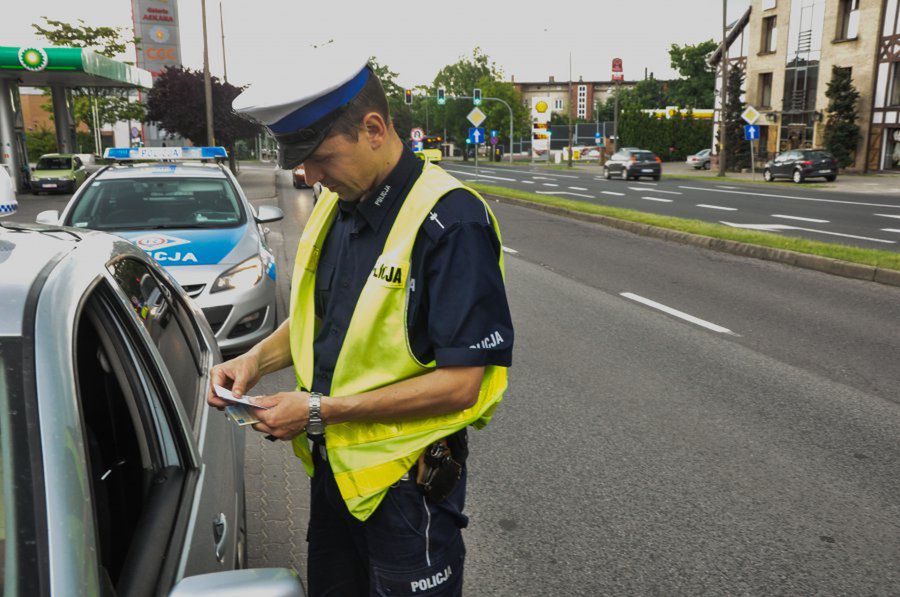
pixel 701 159
pixel 117 477
pixel 195 220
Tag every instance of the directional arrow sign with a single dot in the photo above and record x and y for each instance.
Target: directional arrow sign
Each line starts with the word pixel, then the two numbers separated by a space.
pixel 476 135
pixel 476 117
pixel 751 132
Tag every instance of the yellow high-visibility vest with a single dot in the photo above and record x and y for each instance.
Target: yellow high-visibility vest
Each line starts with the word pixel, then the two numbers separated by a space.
pixel 367 458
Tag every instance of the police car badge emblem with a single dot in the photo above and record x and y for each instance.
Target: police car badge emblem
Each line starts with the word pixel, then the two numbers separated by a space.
pixel 156 242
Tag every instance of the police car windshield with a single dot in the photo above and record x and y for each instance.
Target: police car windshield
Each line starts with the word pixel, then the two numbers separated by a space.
pixel 54 164
pixel 157 203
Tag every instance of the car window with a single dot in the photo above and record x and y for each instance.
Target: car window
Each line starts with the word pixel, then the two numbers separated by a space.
pixel 137 457
pixel 77 162
pixel 46 163
pixel 644 156
pixel 140 203
pixel 169 324
pixel 816 155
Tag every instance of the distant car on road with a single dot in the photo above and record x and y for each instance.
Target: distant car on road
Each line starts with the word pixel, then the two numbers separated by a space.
pixel 299 177
pixel 699 160
pixel 57 173
pixel 430 155
pixel 800 164
pixel 195 220
pixel 117 477
pixel 633 163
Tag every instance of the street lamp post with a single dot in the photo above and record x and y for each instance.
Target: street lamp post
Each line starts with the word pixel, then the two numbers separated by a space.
pixel 571 149
pixel 722 94
pixel 207 82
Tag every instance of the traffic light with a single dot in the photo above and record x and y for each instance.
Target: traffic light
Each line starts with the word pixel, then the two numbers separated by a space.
pixel 442 96
pixel 476 97
pixel 408 97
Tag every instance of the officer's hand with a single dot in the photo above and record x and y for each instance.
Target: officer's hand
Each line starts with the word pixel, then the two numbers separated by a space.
pixel 239 375
pixel 287 416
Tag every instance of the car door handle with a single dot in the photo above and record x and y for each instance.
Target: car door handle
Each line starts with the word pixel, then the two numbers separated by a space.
pixel 220 534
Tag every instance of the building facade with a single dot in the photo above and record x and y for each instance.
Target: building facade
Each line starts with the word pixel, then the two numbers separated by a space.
pixel 790 48
pixel 584 99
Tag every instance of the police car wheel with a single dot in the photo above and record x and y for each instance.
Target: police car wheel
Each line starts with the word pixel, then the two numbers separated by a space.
pixel 625 174
pixel 767 175
pixel 606 173
pixel 798 176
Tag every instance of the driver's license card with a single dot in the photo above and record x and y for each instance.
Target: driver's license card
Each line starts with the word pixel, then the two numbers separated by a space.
pixel 225 394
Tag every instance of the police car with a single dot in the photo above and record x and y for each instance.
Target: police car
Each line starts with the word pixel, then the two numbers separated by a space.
pixel 194 219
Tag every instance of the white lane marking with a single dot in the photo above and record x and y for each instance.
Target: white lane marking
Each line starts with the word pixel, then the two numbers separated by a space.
pixel 556 175
pixel 508 250
pixel 888 216
pixel 564 193
pixel 483 169
pixel 613 193
pixel 798 218
pixel 891 230
pixel 526 182
pixel 657 191
pixel 724 187
pixel 471 180
pixel 652 184
pixel 661 200
pixel 774 227
pixel 541 178
pixel 578 188
pixel 788 197
pixel 483 176
pixel 549 184
pixel 600 178
pixel 677 313
pixel 717 207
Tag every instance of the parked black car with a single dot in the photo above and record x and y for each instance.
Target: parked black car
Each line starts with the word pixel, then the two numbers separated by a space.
pixel 630 163
pixel 800 164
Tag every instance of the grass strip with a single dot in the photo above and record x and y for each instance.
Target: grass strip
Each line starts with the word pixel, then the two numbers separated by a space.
pixel 872 257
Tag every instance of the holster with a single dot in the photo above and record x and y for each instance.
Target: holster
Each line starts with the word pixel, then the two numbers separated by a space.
pixel 441 465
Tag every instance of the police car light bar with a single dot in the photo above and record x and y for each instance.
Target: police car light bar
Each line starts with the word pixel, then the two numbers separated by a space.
pixel 165 153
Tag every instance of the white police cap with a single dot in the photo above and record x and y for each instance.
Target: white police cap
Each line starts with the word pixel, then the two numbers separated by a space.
pixel 8 203
pixel 302 103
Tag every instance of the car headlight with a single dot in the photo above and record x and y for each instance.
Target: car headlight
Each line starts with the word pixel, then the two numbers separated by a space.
pixel 244 275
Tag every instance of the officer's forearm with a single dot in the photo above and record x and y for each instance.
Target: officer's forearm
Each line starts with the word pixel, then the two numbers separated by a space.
pixel 274 353
pixel 445 390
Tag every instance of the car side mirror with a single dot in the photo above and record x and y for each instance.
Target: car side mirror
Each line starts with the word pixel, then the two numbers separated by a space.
pixel 50 216
pixel 269 213
pixel 273 582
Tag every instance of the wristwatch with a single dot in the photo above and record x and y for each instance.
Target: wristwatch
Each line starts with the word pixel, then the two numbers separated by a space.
pixel 316 426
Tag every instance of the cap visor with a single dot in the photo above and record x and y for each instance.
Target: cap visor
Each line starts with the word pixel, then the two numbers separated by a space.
pixel 291 155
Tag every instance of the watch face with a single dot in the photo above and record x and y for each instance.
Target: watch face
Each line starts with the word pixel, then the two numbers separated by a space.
pixel 315 428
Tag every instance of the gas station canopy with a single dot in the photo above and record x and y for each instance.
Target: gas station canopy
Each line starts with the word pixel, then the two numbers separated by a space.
pixel 69 67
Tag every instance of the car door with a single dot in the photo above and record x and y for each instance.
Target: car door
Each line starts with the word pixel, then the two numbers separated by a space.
pixel 615 162
pixel 786 163
pixel 184 350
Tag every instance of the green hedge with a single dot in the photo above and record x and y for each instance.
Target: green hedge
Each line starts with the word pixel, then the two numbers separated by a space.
pixel 686 134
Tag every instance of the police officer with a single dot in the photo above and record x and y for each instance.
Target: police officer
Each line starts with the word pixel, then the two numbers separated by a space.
pixel 399 333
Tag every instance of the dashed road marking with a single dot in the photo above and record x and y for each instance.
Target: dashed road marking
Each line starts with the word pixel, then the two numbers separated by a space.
pixel 564 193
pixel 615 194
pixel 891 230
pixel 549 184
pixel 660 199
pixel 889 216
pixel 675 312
pixel 656 191
pixel 717 207
pixel 754 194
pixel 483 175
pixel 799 219
pixel 578 188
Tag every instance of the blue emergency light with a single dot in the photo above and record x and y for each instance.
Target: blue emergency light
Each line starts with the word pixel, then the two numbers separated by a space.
pixel 165 153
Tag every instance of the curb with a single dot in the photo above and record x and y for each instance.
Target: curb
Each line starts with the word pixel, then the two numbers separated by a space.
pixel 827 265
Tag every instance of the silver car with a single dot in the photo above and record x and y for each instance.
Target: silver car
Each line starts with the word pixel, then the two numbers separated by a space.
pixel 117 477
pixel 195 220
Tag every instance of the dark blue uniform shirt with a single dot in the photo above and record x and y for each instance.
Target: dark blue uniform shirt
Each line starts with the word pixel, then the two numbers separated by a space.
pixel 458 314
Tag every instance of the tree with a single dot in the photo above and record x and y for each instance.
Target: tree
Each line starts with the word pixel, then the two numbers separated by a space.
pixel 459 78
pixel 177 98
pixel 113 105
pixel 841 130
pixel 697 86
pixel 646 94
pixel 737 150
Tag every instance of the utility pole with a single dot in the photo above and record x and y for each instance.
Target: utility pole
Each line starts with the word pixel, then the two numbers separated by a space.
pixel 615 145
pixel 571 149
pixel 222 29
pixel 722 95
pixel 207 82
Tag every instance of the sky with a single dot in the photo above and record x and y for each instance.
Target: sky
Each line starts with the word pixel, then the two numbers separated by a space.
pixel 527 39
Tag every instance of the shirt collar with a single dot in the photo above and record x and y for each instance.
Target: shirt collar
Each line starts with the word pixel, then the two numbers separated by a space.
pixel 378 203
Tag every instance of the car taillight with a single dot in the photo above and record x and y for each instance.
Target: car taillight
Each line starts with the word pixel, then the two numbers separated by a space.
pixel 806 163
pixel 658 161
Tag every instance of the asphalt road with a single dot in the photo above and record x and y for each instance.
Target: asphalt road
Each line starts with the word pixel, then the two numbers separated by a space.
pixel 679 422
pixel 861 220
